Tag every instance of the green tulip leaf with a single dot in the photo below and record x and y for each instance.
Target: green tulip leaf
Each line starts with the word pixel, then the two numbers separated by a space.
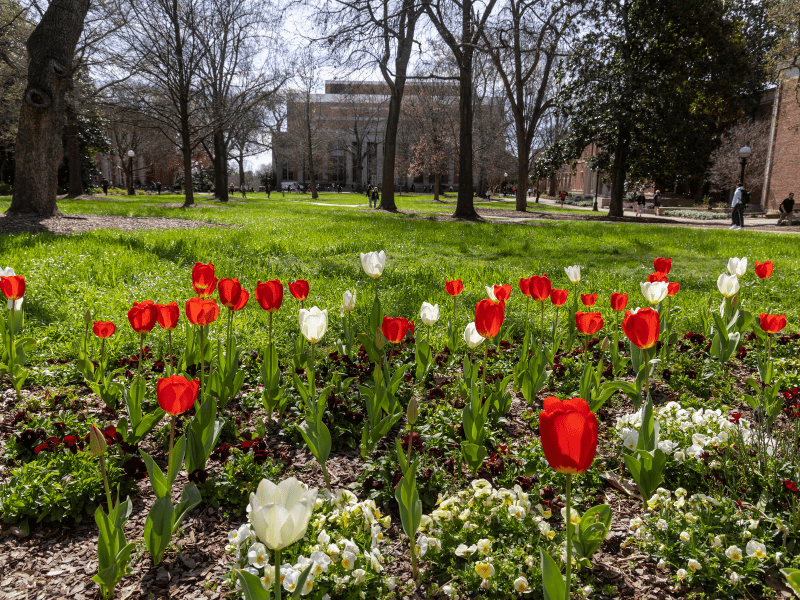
pixel 553 583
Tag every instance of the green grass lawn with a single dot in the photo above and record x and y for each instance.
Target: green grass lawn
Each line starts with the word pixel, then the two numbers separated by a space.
pixel 294 237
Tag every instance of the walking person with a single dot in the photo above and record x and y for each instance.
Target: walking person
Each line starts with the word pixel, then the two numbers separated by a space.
pixel 786 207
pixel 243 189
pixel 376 198
pixel 269 189
pixel 737 208
pixel 105 186
pixel 657 203
pixel 563 196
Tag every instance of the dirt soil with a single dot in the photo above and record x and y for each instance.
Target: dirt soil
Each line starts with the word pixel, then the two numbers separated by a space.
pixel 76 223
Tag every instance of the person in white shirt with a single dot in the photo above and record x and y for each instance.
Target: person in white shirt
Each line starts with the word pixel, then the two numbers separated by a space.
pixel 737 206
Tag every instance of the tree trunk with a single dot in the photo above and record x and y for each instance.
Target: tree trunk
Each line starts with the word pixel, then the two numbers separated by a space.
pixel 465 207
pixel 187 159
pixel 240 161
pixel 552 191
pixel 220 167
pixel 73 153
pixel 39 147
pixel 618 172
pixel 436 184
pixel 390 148
pixel 522 172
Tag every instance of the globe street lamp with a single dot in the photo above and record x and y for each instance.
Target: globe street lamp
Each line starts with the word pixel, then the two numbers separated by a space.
pixel 505 177
pixel 744 154
pixel 131 154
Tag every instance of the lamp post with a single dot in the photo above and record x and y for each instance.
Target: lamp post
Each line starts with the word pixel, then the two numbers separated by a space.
pixel 744 154
pixel 131 154
pixel 596 188
pixel 505 177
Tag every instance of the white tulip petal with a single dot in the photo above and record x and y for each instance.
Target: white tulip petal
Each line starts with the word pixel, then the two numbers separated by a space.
pixel 472 337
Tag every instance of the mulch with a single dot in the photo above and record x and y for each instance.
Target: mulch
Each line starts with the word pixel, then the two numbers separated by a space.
pixel 77 223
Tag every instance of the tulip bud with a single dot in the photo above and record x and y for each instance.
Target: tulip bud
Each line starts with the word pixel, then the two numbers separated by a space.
pixel 605 345
pixel 380 339
pixel 97 442
pixel 87 317
pixel 413 411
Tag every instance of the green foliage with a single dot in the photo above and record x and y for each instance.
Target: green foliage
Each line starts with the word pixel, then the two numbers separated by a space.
pixel 237 478
pixel 57 486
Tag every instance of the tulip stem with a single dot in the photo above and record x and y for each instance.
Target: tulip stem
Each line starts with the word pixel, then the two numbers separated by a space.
pixel 270 329
pixel 277 583
pixel 541 326
pixel 171 439
pixel 483 372
pixel 141 353
pixel 103 354
pixel 105 483
pixel 569 535
pixel 527 322
pixel 171 353
pixel 202 360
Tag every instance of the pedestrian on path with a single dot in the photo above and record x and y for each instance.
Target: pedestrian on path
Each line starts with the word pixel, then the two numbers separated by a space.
pixel 563 196
pixel 657 203
pixel 786 208
pixel 637 205
pixel 375 198
pixel 737 208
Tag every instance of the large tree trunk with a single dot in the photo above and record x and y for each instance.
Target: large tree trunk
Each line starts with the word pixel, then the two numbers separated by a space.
pixel 390 148
pixel 240 162
pixel 187 158
pixel 220 167
pixel 465 207
pixel 618 172
pixel 312 175
pixel 522 171
pixel 437 179
pixel 73 153
pixel 39 147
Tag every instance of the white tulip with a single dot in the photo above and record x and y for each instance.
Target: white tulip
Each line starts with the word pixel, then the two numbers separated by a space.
pixel 313 323
pixel 348 301
pixel 472 337
pixel 7 272
pixel 573 273
pixel 373 263
pixel 429 313
pixel 654 291
pixel 737 266
pixel 280 513
pixel 490 293
pixel 728 285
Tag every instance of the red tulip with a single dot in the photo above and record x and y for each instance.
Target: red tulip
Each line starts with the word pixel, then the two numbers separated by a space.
pixel 176 394
pixel 13 286
pixel 203 279
pixel 539 287
pixel 673 287
pixel 525 286
pixel 395 329
pixel 642 327
pixel 764 269
pixel 244 297
pixel 657 276
pixel 618 301
pixel 588 323
pixel 202 311
pixel 455 287
pixel 772 323
pixel 229 292
pixel 299 289
pixel 589 299
pixel 662 265
pixel 104 329
pixel 568 430
pixel 269 295
pixel 142 316
pixel 168 315
pixel 489 317
pixel 502 292
pixel 559 297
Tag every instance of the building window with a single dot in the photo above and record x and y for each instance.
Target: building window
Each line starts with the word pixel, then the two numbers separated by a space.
pixel 287 174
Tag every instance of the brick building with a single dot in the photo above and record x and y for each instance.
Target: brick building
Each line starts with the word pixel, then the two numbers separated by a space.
pixel 783 156
pixel 348 128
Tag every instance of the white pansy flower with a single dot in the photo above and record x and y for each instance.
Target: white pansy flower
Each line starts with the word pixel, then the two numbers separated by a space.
pixel 756 550
pixel 694 565
pixel 484 546
pixel 348 560
pixel 257 556
pixel 359 575
pixel 521 585
pixel 734 553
